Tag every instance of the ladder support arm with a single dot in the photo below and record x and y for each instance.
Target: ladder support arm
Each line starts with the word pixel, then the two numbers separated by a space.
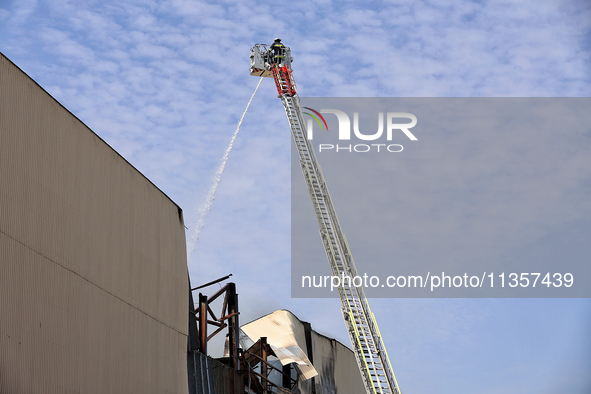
pixel 368 346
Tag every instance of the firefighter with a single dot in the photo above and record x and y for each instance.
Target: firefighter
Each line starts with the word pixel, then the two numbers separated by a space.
pixel 277 50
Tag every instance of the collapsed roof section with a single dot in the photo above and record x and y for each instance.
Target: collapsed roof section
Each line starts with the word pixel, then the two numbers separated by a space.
pixel 323 364
pixel 284 333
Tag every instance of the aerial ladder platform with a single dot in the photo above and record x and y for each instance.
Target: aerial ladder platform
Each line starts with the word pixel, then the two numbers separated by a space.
pixel 366 340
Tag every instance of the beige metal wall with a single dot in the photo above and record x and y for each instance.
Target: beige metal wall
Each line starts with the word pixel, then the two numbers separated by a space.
pixel 93 270
pixel 338 371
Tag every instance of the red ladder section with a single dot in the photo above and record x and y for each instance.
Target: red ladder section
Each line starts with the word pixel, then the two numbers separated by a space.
pixel 283 80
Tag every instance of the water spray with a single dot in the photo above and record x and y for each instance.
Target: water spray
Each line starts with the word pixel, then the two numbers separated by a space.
pixel 206 206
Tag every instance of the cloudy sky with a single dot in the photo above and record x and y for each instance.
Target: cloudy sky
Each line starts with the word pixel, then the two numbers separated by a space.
pixel 491 184
pixel 165 82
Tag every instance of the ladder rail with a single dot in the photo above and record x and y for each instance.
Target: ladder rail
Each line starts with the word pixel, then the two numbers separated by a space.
pixel 369 349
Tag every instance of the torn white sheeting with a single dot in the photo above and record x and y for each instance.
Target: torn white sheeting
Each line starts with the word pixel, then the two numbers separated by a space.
pixel 292 354
pixel 284 333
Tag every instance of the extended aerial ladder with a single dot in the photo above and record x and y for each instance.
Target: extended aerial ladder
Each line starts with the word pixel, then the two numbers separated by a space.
pixel 368 347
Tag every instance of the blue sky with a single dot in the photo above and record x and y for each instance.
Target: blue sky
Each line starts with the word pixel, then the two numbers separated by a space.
pixel 165 82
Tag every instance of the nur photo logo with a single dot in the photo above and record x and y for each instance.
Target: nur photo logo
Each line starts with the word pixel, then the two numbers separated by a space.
pixel 395 122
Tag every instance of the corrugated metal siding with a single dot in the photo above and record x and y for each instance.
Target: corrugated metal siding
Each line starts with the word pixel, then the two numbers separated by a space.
pixel 337 368
pixel 93 274
pixel 213 377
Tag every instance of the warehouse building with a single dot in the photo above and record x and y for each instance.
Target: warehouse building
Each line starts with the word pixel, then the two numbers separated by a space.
pixel 93 268
pixel 94 289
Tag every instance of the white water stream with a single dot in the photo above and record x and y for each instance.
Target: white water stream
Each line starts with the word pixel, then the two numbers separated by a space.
pixel 205 207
